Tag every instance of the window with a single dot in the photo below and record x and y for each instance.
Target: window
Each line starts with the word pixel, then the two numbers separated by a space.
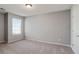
pixel 16 26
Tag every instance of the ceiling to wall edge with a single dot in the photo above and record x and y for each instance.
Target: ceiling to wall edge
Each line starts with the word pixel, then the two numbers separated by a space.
pixel 38 14
pixel 48 13
pixel 51 11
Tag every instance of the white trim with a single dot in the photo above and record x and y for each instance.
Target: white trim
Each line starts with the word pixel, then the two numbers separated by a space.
pixel 52 43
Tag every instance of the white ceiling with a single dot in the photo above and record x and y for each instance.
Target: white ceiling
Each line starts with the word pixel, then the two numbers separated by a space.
pixel 21 9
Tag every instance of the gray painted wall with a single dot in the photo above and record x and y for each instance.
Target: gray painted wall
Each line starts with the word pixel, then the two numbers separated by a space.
pixel 1 28
pixel 51 27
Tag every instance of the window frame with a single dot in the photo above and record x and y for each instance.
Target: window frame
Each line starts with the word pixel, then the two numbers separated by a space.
pixel 14 31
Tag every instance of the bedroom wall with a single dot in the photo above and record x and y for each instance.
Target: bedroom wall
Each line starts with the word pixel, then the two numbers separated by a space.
pixel 1 28
pixel 49 27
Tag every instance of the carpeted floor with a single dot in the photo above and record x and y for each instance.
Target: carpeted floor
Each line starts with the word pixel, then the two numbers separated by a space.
pixel 33 47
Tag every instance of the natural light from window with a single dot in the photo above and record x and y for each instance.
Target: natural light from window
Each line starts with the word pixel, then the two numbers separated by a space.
pixel 16 26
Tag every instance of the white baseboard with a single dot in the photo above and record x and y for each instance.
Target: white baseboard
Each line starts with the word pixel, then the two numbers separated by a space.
pixel 52 43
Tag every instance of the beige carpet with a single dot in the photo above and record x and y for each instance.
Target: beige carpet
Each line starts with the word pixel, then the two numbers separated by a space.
pixel 33 47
